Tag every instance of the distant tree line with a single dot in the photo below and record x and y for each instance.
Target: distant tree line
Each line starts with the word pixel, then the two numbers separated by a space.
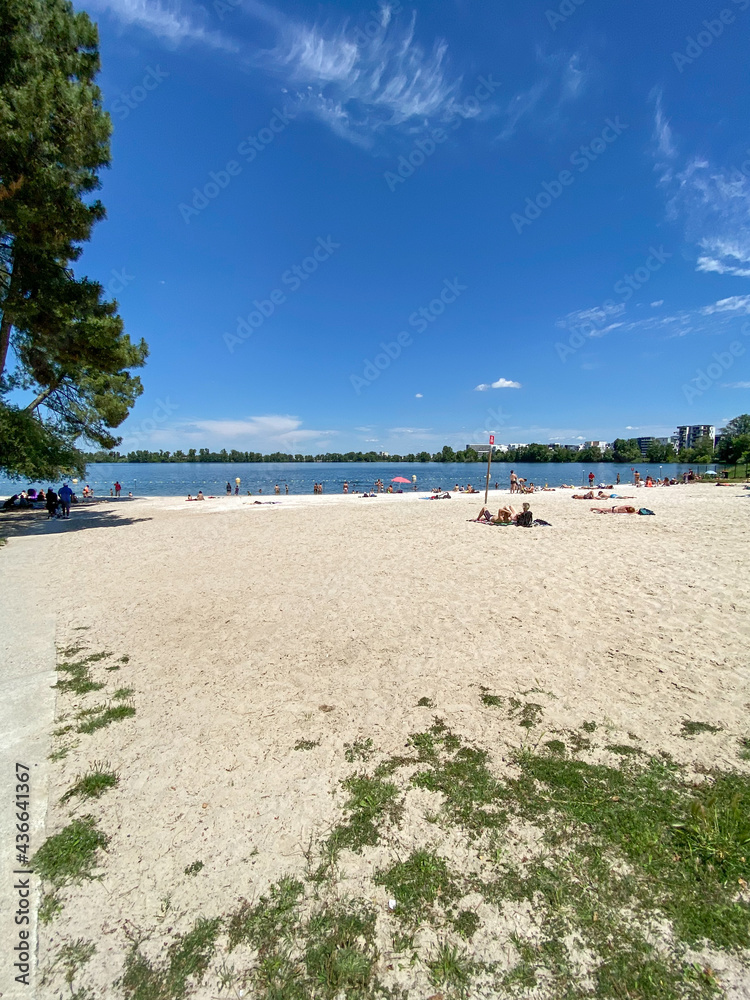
pixel 732 446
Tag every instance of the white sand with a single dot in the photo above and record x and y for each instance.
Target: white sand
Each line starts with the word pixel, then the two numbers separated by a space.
pixel 241 621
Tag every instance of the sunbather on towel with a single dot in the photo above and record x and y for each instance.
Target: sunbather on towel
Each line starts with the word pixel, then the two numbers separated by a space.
pixel 624 509
pixel 506 515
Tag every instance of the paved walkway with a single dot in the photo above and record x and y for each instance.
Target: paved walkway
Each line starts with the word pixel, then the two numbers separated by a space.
pixel 27 702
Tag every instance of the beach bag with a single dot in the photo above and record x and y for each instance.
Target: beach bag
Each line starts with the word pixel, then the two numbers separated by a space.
pixel 645 510
pixel 525 519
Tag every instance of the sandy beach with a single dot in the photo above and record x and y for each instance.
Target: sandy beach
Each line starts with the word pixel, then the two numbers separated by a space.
pixel 248 628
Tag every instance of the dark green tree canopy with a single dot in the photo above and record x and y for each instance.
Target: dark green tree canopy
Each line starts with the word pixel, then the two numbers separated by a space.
pixel 60 340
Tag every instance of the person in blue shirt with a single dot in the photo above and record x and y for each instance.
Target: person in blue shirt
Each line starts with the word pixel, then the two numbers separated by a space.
pixel 65 496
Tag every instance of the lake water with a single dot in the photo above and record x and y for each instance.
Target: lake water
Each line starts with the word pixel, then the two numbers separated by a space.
pixel 178 479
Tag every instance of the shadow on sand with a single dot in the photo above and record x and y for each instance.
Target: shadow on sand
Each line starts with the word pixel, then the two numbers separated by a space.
pixel 99 514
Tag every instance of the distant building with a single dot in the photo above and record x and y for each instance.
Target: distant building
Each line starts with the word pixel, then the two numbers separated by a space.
pixel 688 434
pixel 573 447
pixel 643 443
pixel 480 449
pixel 601 445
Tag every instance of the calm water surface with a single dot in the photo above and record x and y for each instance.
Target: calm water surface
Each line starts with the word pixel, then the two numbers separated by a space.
pixel 177 479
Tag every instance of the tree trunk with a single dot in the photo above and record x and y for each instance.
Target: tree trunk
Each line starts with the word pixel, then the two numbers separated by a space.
pixel 5 328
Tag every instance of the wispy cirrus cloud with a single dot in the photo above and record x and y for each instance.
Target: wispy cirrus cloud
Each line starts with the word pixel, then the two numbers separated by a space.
pixel 562 79
pixel 169 20
pixel 711 202
pixel 362 83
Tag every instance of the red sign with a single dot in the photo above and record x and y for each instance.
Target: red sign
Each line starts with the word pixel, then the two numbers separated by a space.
pixel 492 438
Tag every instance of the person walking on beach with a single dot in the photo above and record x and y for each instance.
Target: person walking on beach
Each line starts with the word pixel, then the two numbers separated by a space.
pixel 237 490
pixel 276 489
pixel 513 482
pixel 66 495
pixel 229 489
pixel 591 479
pixel 618 478
pixel 346 487
pixel 117 489
pixel 51 503
pixel 286 488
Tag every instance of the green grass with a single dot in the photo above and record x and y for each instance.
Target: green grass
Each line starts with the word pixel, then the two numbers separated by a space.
pixel 272 919
pixel 693 728
pixel 528 714
pixel 122 694
pixel 306 744
pixel 104 715
pixel 589 727
pixel 94 784
pixel 472 796
pixel 78 679
pixel 372 802
pixel 417 884
pixel 490 700
pixel 451 967
pixel 187 958
pixel 425 702
pixel 194 868
pixel 623 749
pixel 358 750
pixel 73 956
pixel 555 746
pixel 70 855
pixel 340 952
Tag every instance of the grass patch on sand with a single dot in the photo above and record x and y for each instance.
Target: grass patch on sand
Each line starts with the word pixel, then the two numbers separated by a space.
pixel 306 744
pixel 451 968
pixel 330 953
pixel 358 750
pixel 490 700
pixel 372 803
pixel 104 715
pixel 69 856
pixel 94 784
pixel 694 728
pixel 194 868
pixel 417 884
pixel 425 702
pixel 78 679
pixel 528 714
pixel 186 960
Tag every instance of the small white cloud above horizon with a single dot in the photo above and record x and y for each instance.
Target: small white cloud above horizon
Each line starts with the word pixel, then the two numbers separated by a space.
pixel 502 383
pixel 419 396
pixel 736 385
pixel 659 302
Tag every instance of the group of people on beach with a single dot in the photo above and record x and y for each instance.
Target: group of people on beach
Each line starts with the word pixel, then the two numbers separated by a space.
pixel 56 504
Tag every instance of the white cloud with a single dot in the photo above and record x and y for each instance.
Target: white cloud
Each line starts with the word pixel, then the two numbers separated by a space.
pixel 663 139
pixel 269 432
pixel 659 302
pixel 410 430
pixel 562 80
pixel 502 383
pixel 736 385
pixel 172 22
pixel 735 303
pixel 419 396
pixel 363 83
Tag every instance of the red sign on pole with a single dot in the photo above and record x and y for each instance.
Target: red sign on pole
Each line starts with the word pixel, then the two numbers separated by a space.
pixel 492 438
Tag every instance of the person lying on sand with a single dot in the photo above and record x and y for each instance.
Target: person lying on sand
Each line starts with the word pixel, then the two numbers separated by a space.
pixel 585 496
pixel 506 515
pixel 624 509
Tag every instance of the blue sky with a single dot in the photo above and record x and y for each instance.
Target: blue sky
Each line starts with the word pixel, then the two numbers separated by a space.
pixel 394 226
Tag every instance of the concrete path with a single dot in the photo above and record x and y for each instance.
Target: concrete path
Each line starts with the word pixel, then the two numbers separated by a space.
pixel 27 703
